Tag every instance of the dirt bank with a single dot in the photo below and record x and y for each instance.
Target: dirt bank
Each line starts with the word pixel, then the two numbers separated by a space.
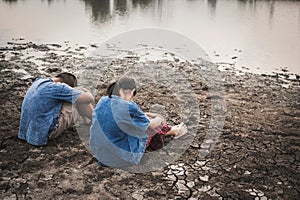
pixel 256 156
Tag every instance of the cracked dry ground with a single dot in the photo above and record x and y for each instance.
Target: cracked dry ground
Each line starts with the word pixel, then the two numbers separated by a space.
pixel 256 157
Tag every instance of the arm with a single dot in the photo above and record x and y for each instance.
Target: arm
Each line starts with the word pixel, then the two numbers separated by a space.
pixel 153 115
pixel 155 122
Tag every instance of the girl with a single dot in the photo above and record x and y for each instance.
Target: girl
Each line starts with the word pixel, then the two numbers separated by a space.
pixel 120 131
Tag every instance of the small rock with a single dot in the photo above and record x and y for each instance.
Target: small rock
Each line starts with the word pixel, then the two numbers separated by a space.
pixel 204 188
pixel 200 163
pixel 179 173
pixel 181 186
pixel 260 193
pixel 173 167
pixel 56 45
pixel 171 177
pixel 180 164
pixel 203 153
pixel 179 169
pixel 204 178
pixel 247 172
pixel 156 173
pixel 252 193
pixel 213 193
pixel 195 145
pixel 6 178
pixel 21 180
pixel 137 196
pixel 205 168
pixel 205 145
pixel 191 184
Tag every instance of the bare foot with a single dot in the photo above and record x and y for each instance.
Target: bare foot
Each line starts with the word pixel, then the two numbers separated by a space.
pixel 180 130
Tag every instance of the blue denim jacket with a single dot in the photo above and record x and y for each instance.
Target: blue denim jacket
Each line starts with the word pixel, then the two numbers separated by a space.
pixel 41 108
pixel 118 133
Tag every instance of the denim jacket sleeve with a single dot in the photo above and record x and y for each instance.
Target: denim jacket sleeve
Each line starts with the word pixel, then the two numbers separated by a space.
pixel 63 92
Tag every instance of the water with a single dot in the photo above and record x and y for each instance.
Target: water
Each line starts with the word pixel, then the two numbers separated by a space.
pixel 263 36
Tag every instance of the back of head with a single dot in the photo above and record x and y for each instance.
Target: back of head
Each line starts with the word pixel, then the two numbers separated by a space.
pixel 68 79
pixel 124 83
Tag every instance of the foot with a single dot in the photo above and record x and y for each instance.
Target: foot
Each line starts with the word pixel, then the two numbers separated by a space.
pixel 180 130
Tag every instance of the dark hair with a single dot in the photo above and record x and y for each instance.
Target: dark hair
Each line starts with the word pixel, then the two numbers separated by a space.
pixel 124 83
pixel 68 78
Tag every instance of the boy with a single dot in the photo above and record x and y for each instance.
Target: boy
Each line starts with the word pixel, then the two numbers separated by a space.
pixel 47 108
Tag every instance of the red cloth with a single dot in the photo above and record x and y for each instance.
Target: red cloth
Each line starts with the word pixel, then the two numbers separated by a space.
pixel 162 129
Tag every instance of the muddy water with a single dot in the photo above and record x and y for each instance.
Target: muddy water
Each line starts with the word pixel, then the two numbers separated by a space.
pixel 263 36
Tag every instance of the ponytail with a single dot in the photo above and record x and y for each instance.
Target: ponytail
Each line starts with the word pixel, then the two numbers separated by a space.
pixel 124 83
pixel 112 89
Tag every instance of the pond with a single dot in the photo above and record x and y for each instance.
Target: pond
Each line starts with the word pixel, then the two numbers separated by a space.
pixel 263 36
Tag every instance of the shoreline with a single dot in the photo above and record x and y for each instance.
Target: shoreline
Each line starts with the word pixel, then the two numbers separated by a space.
pixel 257 154
pixel 27 50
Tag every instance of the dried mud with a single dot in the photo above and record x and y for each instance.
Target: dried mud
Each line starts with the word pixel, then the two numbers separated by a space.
pixel 255 157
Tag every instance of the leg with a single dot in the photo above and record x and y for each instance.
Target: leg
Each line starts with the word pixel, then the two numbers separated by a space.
pixel 85 110
pixel 69 115
pixel 65 120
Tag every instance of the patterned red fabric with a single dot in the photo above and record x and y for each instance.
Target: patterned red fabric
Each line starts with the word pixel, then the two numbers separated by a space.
pixel 162 129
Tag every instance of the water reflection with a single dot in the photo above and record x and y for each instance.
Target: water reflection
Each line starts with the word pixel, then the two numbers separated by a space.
pixel 121 5
pixel 244 4
pixel 267 32
pixel 49 1
pixel 10 1
pixel 212 4
pixel 104 9
pixel 271 13
pixel 15 1
pixel 252 5
pixel 100 9
pixel 142 3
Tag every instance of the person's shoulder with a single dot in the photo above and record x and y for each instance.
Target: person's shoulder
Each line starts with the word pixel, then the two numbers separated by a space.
pixel 42 80
pixel 103 102
pixel 63 86
pixel 132 103
pixel 133 106
pixel 104 99
pixel 55 86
